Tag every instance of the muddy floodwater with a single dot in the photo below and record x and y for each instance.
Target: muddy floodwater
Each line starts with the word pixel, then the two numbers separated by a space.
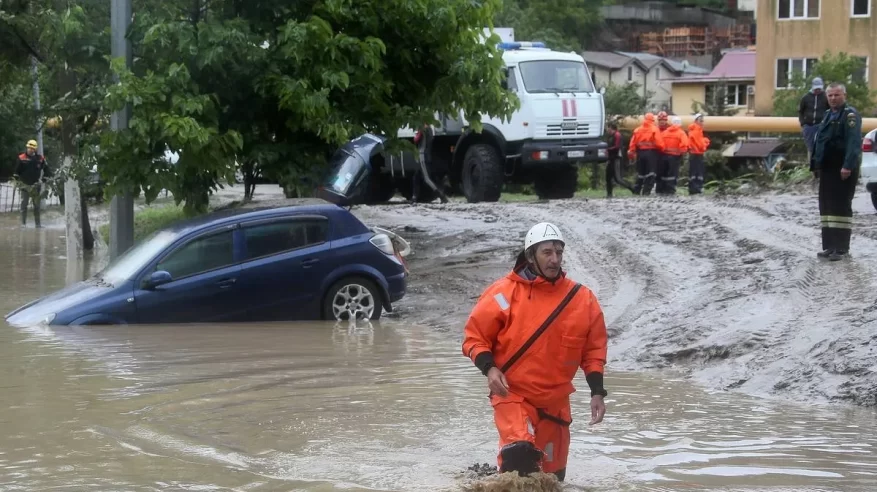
pixel 384 406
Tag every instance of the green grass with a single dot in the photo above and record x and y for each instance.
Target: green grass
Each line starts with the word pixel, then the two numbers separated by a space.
pixel 149 220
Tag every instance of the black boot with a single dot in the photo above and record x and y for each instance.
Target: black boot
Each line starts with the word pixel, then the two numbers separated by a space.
pixel 522 457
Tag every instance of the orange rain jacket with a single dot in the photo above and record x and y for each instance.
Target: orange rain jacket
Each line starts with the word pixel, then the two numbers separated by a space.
pixel 675 141
pixel 697 141
pixel 512 309
pixel 646 137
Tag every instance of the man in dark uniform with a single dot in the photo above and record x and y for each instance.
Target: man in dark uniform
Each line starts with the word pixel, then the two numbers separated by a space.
pixel 31 171
pixel 837 156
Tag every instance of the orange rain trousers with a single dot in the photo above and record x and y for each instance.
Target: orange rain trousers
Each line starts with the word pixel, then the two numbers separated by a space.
pixel 518 420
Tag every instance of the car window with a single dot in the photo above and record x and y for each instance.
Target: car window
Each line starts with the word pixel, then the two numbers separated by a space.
pixel 269 239
pixel 200 255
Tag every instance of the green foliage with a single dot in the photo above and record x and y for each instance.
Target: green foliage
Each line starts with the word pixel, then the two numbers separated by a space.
pixel 17 118
pixel 565 25
pixel 282 85
pixel 149 220
pixel 832 68
pixel 623 100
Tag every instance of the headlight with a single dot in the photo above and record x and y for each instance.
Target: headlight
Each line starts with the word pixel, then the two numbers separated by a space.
pixel 48 319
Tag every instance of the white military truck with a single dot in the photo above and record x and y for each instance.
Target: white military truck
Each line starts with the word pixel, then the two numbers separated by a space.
pixel 558 126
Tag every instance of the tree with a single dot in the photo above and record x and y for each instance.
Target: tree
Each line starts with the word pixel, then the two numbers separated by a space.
pixel 831 68
pixel 566 25
pixel 283 84
pixel 69 42
pixel 623 100
pixel 716 104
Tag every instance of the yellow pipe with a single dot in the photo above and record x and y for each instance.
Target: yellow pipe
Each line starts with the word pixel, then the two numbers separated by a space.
pixel 768 124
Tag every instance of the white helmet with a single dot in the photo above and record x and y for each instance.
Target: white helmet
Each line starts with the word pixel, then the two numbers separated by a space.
pixel 676 121
pixel 541 232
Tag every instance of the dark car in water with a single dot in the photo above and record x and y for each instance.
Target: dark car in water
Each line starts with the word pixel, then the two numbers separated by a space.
pixel 314 260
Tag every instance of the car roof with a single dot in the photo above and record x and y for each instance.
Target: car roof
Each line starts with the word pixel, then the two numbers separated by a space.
pixel 301 206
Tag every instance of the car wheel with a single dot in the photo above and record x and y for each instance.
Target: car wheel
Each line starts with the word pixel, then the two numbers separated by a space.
pixel 352 298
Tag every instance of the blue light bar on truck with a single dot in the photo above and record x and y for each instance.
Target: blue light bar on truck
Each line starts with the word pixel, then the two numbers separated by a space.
pixel 516 45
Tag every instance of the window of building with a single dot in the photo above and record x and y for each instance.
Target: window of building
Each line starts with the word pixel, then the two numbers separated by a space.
pixel 630 74
pixel 788 68
pixel 658 73
pixel 861 75
pixel 798 9
pixel 736 95
pixel 861 8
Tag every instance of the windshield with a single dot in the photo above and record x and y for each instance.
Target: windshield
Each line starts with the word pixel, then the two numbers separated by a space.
pixel 555 76
pixel 125 266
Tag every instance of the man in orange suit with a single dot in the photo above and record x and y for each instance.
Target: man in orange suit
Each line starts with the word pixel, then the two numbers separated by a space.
pixel 529 333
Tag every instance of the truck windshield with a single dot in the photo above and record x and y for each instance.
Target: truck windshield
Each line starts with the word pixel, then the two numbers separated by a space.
pixel 555 76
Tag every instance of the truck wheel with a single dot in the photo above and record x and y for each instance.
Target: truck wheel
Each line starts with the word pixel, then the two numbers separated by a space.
pixel 482 174
pixel 874 200
pixel 556 184
pixel 381 188
pixel 426 195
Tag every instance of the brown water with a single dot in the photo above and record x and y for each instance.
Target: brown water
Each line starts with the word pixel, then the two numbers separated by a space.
pixel 388 406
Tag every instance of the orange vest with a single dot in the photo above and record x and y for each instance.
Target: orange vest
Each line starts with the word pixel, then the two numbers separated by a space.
pixel 697 141
pixel 675 141
pixel 512 309
pixel 646 137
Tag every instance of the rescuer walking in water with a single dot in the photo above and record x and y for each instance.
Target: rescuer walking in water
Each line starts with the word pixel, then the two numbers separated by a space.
pixel 646 146
pixel 529 333
pixel 697 145
pixel 31 171
pixel 675 146
pixel 837 156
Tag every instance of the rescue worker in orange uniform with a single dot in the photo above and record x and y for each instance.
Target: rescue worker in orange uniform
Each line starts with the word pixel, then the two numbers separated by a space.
pixel 529 333
pixel 697 146
pixel 645 147
pixel 675 146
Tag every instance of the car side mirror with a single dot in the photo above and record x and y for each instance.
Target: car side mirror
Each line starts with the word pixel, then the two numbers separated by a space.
pixel 157 279
pixel 603 91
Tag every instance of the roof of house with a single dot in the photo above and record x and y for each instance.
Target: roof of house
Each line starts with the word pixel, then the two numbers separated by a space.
pixel 735 65
pixel 647 61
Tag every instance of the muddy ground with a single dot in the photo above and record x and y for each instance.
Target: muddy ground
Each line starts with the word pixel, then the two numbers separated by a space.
pixel 726 290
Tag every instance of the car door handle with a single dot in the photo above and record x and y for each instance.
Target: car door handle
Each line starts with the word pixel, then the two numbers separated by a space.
pixel 309 263
pixel 226 283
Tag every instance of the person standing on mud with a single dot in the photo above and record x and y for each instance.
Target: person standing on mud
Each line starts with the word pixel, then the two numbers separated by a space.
pixel 675 146
pixel 30 173
pixel 811 110
pixel 423 139
pixel 698 143
pixel 837 156
pixel 612 164
pixel 529 333
pixel 645 148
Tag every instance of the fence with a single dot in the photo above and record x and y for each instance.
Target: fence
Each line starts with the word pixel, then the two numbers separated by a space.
pixel 10 198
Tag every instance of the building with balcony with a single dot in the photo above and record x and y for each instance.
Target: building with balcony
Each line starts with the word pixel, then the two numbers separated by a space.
pixel 794 34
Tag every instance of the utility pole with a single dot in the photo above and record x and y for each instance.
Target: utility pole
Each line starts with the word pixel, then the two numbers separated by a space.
pixel 35 70
pixel 122 206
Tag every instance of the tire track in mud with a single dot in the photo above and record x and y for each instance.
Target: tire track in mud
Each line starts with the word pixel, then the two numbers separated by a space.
pixel 728 289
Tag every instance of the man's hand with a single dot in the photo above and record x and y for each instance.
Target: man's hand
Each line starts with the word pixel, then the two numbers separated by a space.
pixel 598 409
pixel 845 173
pixel 496 382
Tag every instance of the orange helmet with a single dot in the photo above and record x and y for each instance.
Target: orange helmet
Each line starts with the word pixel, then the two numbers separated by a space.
pixel 650 117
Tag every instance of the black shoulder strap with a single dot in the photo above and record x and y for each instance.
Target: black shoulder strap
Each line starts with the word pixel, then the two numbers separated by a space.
pixel 535 336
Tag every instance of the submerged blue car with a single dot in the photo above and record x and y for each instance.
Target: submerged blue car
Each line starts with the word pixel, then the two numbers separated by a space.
pixel 309 261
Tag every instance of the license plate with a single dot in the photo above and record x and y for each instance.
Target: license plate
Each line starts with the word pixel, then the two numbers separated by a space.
pixel 569 125
pixel 575 153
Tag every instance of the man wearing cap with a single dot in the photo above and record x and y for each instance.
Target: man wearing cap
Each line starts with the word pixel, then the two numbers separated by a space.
pixel 30 172
pixel 837 156
pixel 529 334
pixel 811 110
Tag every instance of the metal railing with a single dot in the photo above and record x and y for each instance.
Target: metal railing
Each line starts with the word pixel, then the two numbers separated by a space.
pixel 10 198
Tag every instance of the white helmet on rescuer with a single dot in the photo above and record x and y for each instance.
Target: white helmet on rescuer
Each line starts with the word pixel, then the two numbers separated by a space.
pixel 541 232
